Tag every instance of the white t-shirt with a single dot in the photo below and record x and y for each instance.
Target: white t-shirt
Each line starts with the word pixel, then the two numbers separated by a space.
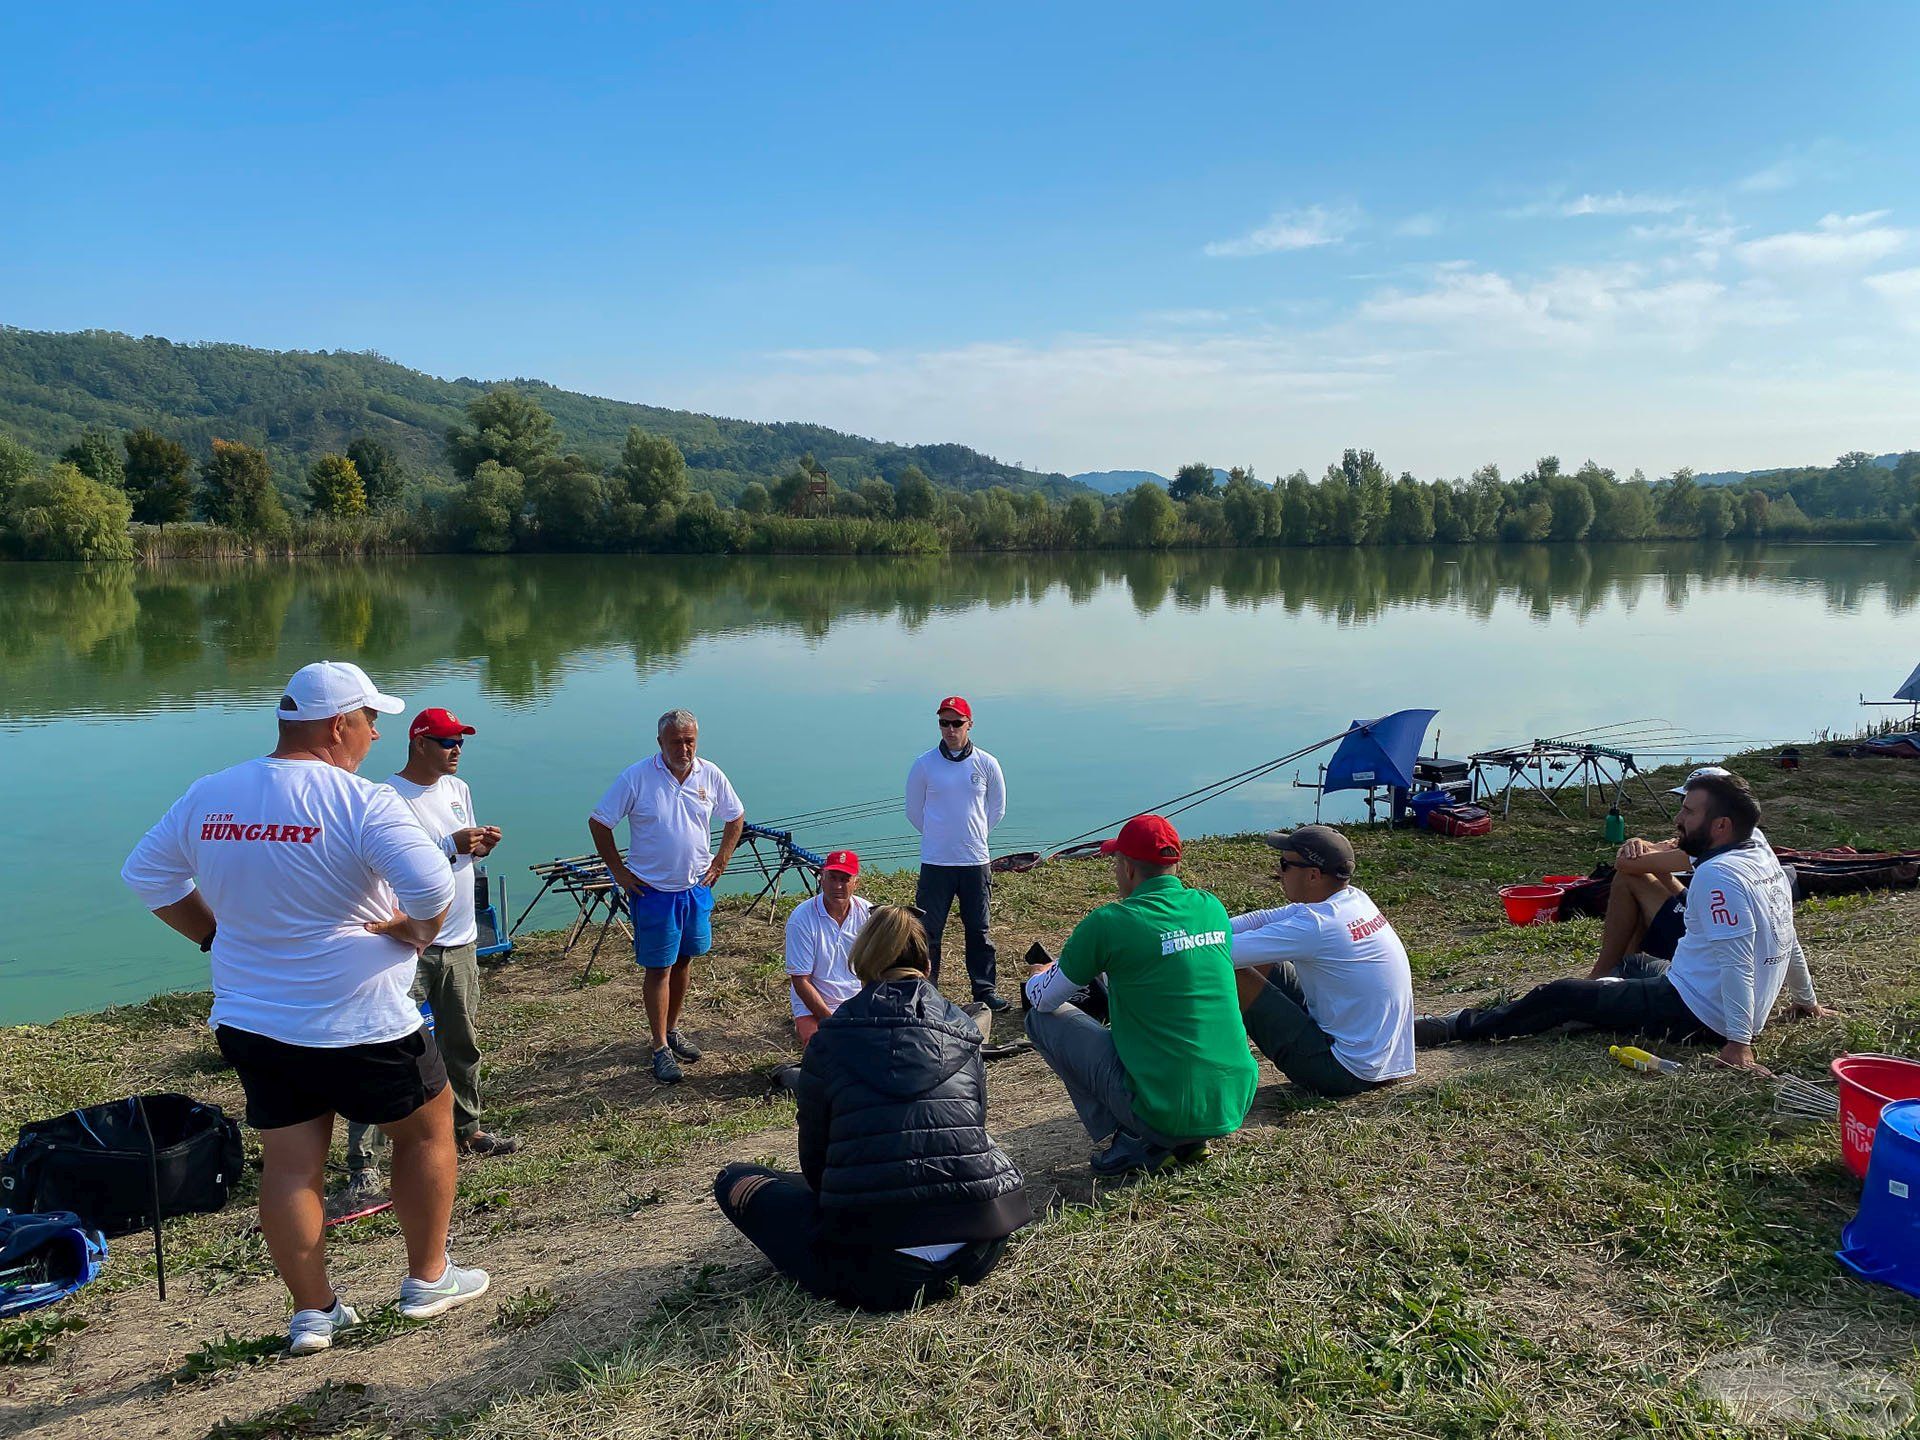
pixel 668 841
pixel 294 857
pixel 442 808
pixel 955 804
pixel 817 948
pixel 1740 943
pixel 1353 971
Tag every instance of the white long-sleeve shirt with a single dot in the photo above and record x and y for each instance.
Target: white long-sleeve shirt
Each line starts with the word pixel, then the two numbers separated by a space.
pixel 1353 970
pixel 1740 948
pixel 955 804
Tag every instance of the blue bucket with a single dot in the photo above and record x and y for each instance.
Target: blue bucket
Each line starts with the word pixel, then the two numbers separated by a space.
pixel 1882 1243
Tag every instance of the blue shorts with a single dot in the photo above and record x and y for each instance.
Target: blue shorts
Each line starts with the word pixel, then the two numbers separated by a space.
pixel 671 925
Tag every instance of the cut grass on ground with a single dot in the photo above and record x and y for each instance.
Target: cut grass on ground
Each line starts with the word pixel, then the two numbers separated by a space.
pixel 1526 1240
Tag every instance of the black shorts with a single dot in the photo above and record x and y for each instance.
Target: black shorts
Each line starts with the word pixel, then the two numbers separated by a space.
pixel 373 1084
pixel 1666 927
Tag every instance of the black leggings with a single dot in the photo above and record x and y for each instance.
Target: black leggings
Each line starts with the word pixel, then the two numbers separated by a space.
pixel 1642 1003
pixel 781 1215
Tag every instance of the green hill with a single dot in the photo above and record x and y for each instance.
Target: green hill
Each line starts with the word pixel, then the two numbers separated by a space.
pixel 297 404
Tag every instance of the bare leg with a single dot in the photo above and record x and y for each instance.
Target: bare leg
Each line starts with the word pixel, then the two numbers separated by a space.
pixel 654 992
pixel 424 1170
pixel 1251 982
pixel 1631 905
pixel 681 974
pixel 293 1208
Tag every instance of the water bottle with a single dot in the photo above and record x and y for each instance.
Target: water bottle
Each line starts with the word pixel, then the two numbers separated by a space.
pixel 1634 1058
pixel 1616 826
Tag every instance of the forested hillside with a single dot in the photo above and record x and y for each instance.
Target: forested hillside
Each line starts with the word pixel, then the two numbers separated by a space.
pixel 298 405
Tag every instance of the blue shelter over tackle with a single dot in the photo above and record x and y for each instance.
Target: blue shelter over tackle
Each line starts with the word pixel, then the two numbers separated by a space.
pixel 1380 752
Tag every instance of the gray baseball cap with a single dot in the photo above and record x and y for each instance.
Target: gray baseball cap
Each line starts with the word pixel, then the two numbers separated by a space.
pixel 1705 772
pixel 1318 845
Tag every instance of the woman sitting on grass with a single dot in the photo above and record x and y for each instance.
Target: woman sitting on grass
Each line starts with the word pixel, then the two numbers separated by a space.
pixel 902 1195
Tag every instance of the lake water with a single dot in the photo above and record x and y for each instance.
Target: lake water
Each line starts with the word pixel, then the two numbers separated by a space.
pixel 1104 683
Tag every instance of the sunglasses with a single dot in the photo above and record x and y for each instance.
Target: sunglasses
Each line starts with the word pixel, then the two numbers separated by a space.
pixel 454 744
pixel 1286 864
pixel 951 724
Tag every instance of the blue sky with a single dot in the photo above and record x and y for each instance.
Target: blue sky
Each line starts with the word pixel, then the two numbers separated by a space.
pixel 1076 236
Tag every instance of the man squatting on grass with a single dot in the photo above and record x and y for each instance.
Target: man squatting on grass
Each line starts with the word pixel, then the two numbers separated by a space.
pixel 1325 988
pixel 820 935
pixel 279 868
pixel 448 977
pixel 955 796
pixel 668 801
pixel 1728 968
pixel 1174 1070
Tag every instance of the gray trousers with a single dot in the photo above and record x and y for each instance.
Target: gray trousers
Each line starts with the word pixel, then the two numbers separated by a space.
pixel 448 979
pixel 1081 1051
pixel 1287 1035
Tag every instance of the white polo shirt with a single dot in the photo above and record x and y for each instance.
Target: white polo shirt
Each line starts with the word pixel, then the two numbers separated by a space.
pixel 294 858
pixel 955 804
pixel 442 808
pixel 669 824
pixel 818 948
pixel 1352 969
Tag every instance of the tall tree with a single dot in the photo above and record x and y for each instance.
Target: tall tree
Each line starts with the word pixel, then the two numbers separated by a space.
pixel 380 472
pixel 652 469
pixel 1192 480
pixel 236 489
pixel 1571 504
pixel 334 487
pixel 1409 513
pixel 507 427
pixel 1150 518
pixel 486 515
pixel 64 514
pixel 16 464
pixel 96 455
pixel 159 475
pixel 914 495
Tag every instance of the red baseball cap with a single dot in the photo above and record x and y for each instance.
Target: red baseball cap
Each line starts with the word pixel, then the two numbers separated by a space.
pixel 1147 838
pixel 845 861
pixel 441 724
pixel 957 704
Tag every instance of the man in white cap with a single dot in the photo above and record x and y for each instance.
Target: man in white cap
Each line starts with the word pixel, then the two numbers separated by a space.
pixel 955 796
pixel 314 892
pixel 1737 952
pixel 448 978
pixel 1647 903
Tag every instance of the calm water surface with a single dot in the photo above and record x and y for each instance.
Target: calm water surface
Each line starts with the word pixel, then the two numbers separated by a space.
pixel 1105 684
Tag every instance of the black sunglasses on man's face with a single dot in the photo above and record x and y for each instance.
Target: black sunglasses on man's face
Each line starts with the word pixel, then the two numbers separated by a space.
pixel 951 724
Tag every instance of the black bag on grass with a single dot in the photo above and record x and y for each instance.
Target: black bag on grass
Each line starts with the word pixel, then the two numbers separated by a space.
pixel 113 1165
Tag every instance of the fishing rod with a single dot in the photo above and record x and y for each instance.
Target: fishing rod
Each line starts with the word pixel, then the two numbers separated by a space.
pixel 1208 792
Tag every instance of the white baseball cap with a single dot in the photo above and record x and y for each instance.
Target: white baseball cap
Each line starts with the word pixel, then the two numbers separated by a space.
pixel 1705 772
pixel 328 688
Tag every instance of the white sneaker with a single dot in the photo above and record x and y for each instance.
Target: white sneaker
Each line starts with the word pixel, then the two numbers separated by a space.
pixel 423 1299
pixel 313 1330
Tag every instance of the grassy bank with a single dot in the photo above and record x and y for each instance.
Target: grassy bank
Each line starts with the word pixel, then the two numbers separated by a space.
pixel 1526 1240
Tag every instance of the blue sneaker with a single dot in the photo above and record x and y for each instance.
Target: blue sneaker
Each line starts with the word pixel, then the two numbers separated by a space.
pixel 1127 1154
pixel 424 1299
pixel 313 1330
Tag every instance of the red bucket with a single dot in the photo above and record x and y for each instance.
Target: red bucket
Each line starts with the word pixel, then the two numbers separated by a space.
pixel 1531 904
pixel 1561 879
pixel 1867 1084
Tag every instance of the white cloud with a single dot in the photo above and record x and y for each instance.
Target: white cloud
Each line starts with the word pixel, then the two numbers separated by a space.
pixel 1569 306
pixel 1419 226
pixel 1837 240
pixel 1899 292
pixel 846 355
pixel 1290 230
pixel 1781 175
pixel 1620 202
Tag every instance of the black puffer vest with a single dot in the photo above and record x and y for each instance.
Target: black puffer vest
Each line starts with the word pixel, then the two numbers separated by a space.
pixel 893 1115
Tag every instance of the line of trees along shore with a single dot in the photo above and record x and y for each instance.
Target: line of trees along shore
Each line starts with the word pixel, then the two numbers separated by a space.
pixel 142 494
